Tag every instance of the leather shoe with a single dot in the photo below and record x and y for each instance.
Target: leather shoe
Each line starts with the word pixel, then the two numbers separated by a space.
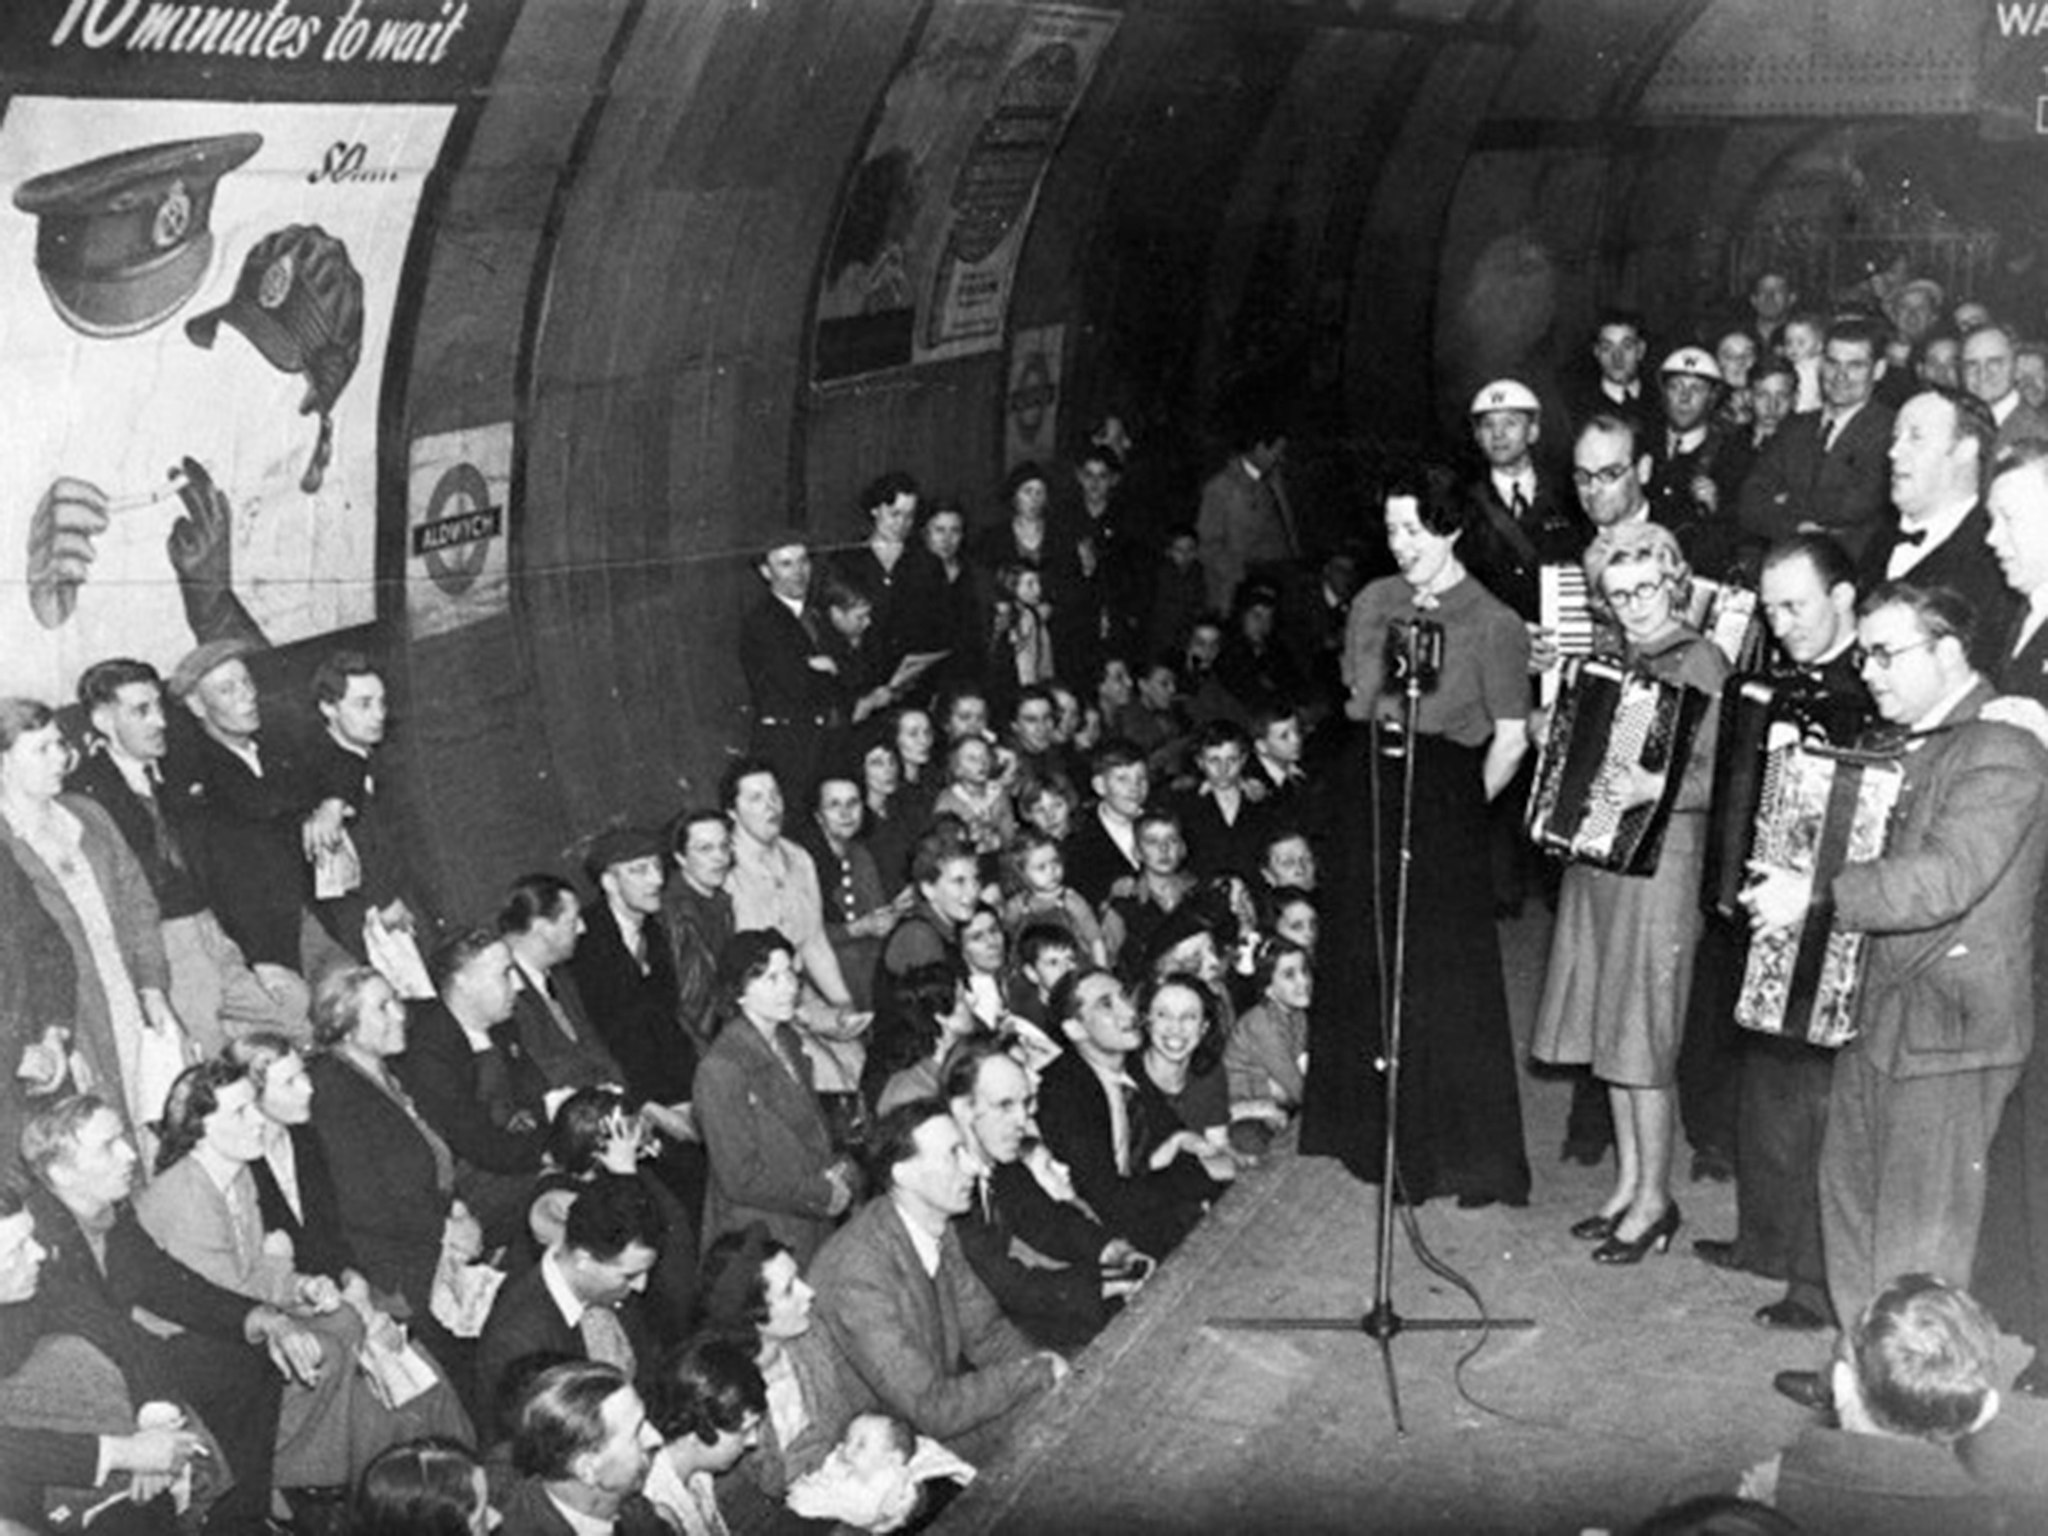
pixel 1809 1389
pixel 1791 1316
pixel 2033 1381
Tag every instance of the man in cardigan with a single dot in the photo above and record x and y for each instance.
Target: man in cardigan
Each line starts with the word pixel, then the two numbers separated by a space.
pixel 912 1327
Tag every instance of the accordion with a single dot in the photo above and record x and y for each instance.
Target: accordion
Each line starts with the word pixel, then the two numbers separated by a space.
pixel 1819 809
pixel 1730 616
pixel 1609 719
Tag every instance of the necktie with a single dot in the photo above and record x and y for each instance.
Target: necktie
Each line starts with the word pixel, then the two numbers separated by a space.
pixel 1915 539
pixel 1828 429
pixel 1520 506
pixel 604 1338
pixel 790 1045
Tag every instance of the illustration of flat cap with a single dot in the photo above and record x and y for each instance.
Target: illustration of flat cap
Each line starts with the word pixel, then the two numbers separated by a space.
pixel 299 300
pixel 123 241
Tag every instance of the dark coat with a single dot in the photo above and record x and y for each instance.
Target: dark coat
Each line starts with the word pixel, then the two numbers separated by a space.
pixel 1845 489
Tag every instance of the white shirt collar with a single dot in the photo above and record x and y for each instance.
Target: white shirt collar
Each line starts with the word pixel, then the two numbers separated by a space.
pixel 1251 469
pixel 1687 442
pixel 926 1243
pixel 1946 707
pixel 1507 482
pixel 567 1302
pixel 140 776
pixel 580 1523
pixel 2004 406
pixel 795 606
pixel 1938 527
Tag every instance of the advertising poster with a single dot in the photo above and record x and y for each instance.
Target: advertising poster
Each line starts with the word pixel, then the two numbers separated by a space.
pixel 921 262
pixel 1032 414
pixel 197 297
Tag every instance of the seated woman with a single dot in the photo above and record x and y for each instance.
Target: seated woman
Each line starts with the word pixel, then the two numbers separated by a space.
pixel 1180 1074
pixel 428 1487
pixel 295 1190
pixel 1267 1057
pixel 707 1404
pixel 932 1012
pixel 594 1132
pixel 984 951
pixel 202 1210
pixel 394 1178
pixel 753 1287
pixel 126 1040
pixel 771 1152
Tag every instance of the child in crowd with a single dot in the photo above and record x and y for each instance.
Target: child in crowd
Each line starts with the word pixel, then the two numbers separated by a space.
pixel 974 796
pixel 1180 591
pixel 1035 882
pixel 1045 954
pixel 871 1480
pixel 1048 805
pixel 1267 1055
pixel 1023 623
pixel 1804 336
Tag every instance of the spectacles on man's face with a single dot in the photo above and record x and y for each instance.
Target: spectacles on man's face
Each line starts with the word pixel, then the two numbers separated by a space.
pixel 1637 596
pixel 1606 475
pixel 1882 656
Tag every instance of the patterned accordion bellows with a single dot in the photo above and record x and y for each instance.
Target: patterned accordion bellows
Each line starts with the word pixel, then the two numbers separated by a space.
pixel 1820 809
pixel 1609 718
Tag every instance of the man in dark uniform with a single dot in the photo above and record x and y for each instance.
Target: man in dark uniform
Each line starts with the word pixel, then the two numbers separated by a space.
pixel 1809 600
pixel 1694 474
pixel 788 665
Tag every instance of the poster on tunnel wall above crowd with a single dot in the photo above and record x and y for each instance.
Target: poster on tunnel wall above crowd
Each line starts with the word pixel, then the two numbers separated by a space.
pixel 934 217
pixel 197 297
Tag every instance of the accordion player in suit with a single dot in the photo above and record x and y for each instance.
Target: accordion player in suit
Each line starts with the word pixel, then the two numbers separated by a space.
pixel 1808 596
pixel 1621 953
pixel 1945 1013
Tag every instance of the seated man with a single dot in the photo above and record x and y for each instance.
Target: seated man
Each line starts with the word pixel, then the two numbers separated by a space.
pixel 583 1448
pixel 582 1298
pixel 214 990
pixel 103 1267
pixel 912 1328
pixel 1077 1272
pixel 474 1084
pixel 44 1406
pixel 1093 1120
pixel 1912 1389
pixel 542 923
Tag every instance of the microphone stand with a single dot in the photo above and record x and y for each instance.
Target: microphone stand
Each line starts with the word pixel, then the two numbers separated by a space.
pixel 1382 1323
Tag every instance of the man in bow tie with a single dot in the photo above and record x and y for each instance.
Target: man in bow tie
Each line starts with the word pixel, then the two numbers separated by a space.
pixel 1940 457
pixel 1945 1012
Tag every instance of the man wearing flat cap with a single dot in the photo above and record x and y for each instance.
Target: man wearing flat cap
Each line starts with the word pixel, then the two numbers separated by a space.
pixel 1695 465
pixel 248 805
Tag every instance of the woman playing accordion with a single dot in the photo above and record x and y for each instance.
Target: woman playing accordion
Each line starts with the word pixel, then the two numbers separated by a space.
pixel 1622 951
pixel 1461 1117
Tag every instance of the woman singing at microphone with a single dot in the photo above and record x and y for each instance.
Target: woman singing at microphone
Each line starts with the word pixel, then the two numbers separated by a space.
pixel 1461 1115
pixel 1621 954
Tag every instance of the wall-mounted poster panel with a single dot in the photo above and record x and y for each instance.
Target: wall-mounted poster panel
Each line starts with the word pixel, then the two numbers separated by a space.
pixel 1031 413
pixel 928 235
pixel 455 561
pixel 197 296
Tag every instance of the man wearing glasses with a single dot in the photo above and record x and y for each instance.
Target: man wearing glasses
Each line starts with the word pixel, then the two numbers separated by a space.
pixel 1945 1014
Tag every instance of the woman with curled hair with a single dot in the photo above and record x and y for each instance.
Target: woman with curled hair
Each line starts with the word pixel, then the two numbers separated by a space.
pixel 202 1209
pixel 752 1289
pixel 708 1403
pixel 932 1011
pixel 427 1487
pixel 124 1033
pixel 394 1177
pixel 770 1149
pixel 1621 954
pixel 1180 1076
pixel 1460 1110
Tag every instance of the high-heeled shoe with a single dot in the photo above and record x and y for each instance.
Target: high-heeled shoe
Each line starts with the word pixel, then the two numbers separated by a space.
pixel 1594 1229
pixel 1620 1250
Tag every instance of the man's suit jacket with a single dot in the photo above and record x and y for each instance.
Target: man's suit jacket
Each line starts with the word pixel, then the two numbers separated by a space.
pixel 2023 423
pixel 1707 536
pixel 1060 1307
pixel 392 1211
pixel 471 1098
pixel 1094 861
pixel 1155 1209
pixel 568 1055
pixel 247 834
pixel 154 840
pixel 1241 528
pixel 1505 552
pixel 331 771
pixel 528 1511
pixel 767 1140
pixel 1963 563
pixel 1948 984
pixel 634 1011
pixel 1846 490
pixel 901 1336
pixel 525 1321
pixel 1217 847
pixel 775 654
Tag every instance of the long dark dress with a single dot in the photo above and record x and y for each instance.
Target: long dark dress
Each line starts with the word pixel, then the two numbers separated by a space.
pixel 1460 1108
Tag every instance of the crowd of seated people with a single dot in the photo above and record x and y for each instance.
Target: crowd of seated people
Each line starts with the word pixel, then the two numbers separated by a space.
pixel 1001 939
